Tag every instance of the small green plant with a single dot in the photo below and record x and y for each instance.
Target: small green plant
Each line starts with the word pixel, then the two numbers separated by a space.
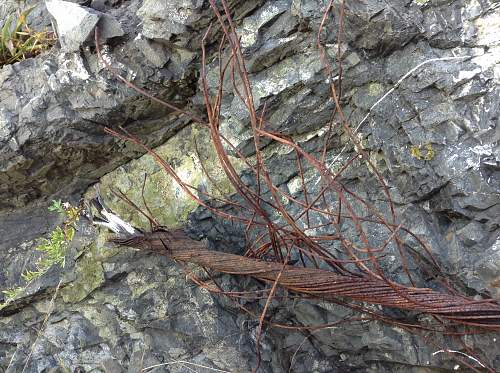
pixel 13 293
pixel 53 248
pixel 57 206
pixel 18 41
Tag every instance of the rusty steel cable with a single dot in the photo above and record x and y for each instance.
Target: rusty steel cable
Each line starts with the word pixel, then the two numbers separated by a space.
pixel 320 283
pixel 274 239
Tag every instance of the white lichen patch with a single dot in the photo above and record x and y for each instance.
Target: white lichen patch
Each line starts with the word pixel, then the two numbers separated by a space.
pixel 75 67
pixel 421 2
pixel 488 29
pixel 180 15
pixel 138 284
pixel 117 65
pixel 234 131
pixel 284 75
pixel 478 151
pixel 295 185
pixel 251 25
pixel 71 69
pixel 496 245
pixel 490 60
pixel 458 159
pixel 472 9
pixel 375 89
pixel 466 75
pixel 4 128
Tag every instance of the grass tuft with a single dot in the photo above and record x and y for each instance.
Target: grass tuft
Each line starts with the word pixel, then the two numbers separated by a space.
pixel 53 249
pixel 18 41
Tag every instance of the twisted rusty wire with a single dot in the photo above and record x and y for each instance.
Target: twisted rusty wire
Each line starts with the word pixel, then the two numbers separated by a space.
pixel 292 231
pixel 321 283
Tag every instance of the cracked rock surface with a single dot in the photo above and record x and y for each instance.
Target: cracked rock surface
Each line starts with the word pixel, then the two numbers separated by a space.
pixel 435 139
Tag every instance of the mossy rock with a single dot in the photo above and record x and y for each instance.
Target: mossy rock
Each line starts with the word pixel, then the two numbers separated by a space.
pixel 89 276
pixel 189 152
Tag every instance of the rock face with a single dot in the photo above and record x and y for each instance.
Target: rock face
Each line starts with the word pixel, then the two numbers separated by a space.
pixel 75 24
pixel 53 110
pixel 435 139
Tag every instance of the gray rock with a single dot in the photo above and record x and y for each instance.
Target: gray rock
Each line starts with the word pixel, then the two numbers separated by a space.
pixel 164 18
pixel 109 27
pixel 129 310
pixel 154 52
pixel 126 325
pixel 74 23
pixel 253 24
pixel 51 103
pixel 99 5
pixel 38 19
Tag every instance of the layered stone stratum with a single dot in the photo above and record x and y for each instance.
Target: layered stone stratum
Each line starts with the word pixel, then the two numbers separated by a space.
pixel 435 139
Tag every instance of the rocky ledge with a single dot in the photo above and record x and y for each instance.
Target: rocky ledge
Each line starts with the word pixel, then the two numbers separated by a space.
pixel 435 139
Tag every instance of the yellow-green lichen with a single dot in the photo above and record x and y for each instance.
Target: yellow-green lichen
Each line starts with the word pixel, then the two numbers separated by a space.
pixel 168 202
pixel 375 89
pixel 425 153
pixel 102 318
pixel 138 285
pixel 89 276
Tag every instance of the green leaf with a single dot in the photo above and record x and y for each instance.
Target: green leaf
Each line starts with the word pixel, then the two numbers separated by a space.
pixel 56 206
pixel 12 293
pixel 18 41
pixel 70 233
pixel 31 275
pixel 6 34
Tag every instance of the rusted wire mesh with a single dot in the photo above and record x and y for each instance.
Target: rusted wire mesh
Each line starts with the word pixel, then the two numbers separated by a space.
pixel 333 262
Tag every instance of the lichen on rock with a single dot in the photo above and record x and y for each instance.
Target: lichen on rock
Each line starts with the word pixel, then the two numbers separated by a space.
pixel 89 275
pixel 123 310
pixel 190 153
